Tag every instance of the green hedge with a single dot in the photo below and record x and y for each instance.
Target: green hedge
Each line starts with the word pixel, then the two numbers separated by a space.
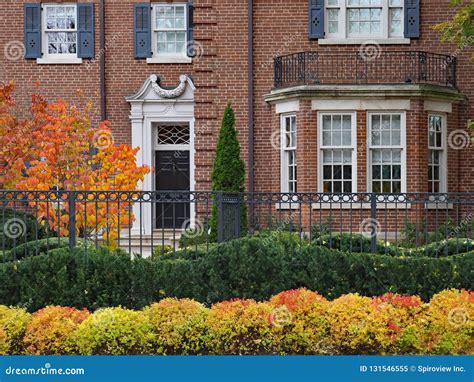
pixel 356 243
pixel 33 248
pixel 22 225
pixel 253 267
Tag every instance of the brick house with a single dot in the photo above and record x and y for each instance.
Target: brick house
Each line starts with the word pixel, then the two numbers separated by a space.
pixel 330 95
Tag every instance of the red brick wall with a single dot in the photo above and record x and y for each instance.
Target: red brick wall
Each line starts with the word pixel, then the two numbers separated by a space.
pixel 220 75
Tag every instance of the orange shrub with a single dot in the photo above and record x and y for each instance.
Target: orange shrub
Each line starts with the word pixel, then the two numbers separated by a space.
pixel 51 330
pixel 240 327
pixel 447 324
pixel 178 326
pixel 296 299
pixel 401 315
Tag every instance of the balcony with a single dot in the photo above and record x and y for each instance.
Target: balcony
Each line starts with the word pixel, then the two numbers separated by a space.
pixel 382 68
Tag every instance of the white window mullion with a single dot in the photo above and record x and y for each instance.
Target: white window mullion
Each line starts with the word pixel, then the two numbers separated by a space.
pixel 385 25
pixel 342 21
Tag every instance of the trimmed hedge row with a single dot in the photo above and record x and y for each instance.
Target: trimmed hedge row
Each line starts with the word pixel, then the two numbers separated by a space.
pixel 17 228
pixel 356 243
pixel 33 248
pixel 252 267
pixel 293 322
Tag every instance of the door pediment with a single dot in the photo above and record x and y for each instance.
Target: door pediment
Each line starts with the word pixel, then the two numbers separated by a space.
pixel 152 90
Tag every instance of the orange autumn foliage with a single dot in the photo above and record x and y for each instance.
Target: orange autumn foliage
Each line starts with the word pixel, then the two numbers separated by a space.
pixel 58 148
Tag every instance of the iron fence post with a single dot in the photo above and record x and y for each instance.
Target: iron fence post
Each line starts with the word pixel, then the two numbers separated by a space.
pixel 220 218
pixel 373 223
pixel 238 213
pixel 71 197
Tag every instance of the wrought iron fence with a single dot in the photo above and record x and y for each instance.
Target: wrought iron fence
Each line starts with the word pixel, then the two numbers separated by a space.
pixel 155 222
pixel 381 67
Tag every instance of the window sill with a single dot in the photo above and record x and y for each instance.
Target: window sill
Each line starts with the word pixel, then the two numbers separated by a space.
pixel 287 206
pixel 359 41
pixel 439 206
pixel 359 206
pixel 169 60
pixel 59 61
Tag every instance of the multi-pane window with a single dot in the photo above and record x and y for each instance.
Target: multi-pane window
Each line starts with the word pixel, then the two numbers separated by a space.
pixel 337 140
pixel 288 154
pixel 364 18
pixel 60 29
pixel 436 153
pixel 170 27
pixel 386 152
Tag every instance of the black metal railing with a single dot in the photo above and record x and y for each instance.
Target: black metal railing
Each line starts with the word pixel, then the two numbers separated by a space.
pixel 147 222
pixel 377 67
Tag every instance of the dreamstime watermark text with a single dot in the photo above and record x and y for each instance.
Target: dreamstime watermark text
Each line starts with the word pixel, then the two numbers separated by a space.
pixel 44 370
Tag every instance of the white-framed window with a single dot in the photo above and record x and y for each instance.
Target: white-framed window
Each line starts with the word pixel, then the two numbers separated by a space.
pixel 289 164
pixel 364 19
pixel 437 153
pixel 337 154
pixel 59 32
pixel 169 25
pixel 386 156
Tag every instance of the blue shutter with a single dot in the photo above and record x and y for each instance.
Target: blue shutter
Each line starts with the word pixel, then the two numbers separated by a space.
pixel 412 18
pixel 85 30
pixel 316 19
pixel 190 48
pixel 32 33
pixel 142 30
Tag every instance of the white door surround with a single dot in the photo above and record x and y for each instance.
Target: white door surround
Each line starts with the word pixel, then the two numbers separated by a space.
pixel 150 106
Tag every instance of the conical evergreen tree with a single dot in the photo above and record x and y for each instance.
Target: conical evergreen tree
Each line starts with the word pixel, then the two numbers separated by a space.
pixel 228 174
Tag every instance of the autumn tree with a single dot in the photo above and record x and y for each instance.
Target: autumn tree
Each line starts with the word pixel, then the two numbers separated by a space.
pixel 460 28
pixel 59 149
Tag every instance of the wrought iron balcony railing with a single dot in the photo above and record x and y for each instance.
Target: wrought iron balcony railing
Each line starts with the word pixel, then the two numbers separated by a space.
pixel 383 67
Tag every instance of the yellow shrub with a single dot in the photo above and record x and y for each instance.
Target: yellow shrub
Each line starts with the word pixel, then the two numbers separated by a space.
pixel 178 326
pixel 13 323
pixel 447 323
pixel 4 346
pixel 357 326
pixel 240 327
pixel 115 331
pixel 301 317
pixel 51 330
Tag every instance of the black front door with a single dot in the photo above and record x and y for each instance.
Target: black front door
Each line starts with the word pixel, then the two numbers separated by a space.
pixel 172 174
